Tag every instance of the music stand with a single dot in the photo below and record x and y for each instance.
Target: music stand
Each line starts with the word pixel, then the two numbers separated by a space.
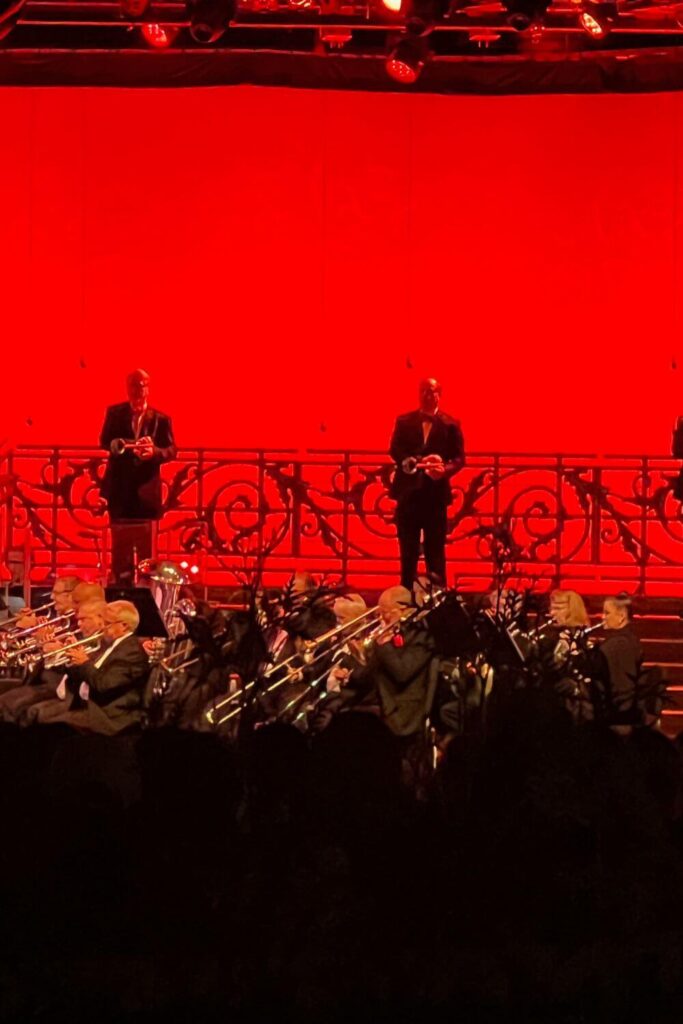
pixel 151 622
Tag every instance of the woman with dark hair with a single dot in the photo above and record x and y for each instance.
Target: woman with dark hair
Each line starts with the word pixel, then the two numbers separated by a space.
pixel 619 660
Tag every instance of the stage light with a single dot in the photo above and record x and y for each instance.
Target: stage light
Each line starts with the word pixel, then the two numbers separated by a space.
pixel 209 19
pixel 596 19
pixel 160 37
pixel 184 565
pixel 407 59
pixel 9 12
pixel 394 6
pixel 194 569
pixel 522 14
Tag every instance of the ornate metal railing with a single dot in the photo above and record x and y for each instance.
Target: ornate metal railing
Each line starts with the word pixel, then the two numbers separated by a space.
pixel 596 523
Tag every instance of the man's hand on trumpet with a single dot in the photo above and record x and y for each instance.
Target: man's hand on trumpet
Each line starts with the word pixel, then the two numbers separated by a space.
pixel 56 643
pixel 433 466
pixel 144 448
pixel 78 656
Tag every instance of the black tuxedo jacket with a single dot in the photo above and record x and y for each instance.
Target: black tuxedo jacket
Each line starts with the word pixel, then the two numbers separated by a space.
pixel 406 680
pixel 445 439
pixel 132 486
pixel 116 688
pixel 677 452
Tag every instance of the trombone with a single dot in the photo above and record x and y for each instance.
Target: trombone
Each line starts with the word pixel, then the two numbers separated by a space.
pixel 381 629
pixel 309 656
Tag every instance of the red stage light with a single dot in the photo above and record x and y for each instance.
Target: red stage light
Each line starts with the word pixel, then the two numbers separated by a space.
pixel 159 36
pixel 402 72
pixel 592 26
pixel 406 60
pixel 394 6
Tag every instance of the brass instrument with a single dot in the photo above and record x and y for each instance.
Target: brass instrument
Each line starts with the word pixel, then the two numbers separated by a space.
pixel 310 655
pixel 119 446
pixel 61 657
pixel 23 615
pixel 380 630
pixel 169 578
pixel 48 624
pixel 22 652
pixel 412 463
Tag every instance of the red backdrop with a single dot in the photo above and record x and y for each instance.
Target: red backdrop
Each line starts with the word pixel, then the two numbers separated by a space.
pixel 287 263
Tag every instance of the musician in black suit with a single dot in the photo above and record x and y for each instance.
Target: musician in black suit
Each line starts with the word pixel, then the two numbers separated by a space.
pixel 677 452
pixel 428 449
pixel 111 681
pixel 139 440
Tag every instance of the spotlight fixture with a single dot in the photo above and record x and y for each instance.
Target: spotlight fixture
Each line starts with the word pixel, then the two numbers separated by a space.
pixel 159 37
pixel 9 12
pixel 522 14
pixel 407 58
pixel 596 19
pixel 394 6
pixel 209 19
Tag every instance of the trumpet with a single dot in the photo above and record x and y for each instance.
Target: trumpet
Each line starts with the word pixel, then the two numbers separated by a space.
pixel 26 651
pixel 49 624
pixel 412 463
pixel 61 657
pixel 22 615
pixel 309 656
pixel 119 446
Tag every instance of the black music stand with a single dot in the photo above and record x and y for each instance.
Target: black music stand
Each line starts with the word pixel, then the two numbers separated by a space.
pixel 151 622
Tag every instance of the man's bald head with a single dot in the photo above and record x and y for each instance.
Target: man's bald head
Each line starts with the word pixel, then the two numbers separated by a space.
pixel 430 395
pixel 393 603
pixel 137 384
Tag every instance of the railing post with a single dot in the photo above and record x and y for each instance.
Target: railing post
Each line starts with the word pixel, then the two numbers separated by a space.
pixel 559 477
pixel 596 515
pixel 345 519
pixel 296 508
pixel 645 477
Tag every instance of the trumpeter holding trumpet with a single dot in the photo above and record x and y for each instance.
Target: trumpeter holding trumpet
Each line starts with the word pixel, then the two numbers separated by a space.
pixel 139 440
pixel 428 449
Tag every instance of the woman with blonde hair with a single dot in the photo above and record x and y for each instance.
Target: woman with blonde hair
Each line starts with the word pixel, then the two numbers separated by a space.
pixel 568 610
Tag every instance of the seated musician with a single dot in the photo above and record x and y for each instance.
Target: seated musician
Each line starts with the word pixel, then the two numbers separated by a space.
pixel 90 621
pixel 618 664
pixel 347 685
pixel 115 674
pixel 307 610
pixel 41 683
pixel 306 616
pixel 61 599
pixel 400 669
pixel 568 617
pixel 568 610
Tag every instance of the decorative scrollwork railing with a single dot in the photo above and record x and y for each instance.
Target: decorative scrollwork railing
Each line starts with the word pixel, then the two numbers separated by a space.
pixel 598 523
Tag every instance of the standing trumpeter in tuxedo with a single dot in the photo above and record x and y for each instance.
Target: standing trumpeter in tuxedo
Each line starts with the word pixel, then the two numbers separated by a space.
pixel 428 449
pixel 139 439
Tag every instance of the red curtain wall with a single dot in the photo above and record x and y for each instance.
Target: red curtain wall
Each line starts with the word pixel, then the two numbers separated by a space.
pixel 288 263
